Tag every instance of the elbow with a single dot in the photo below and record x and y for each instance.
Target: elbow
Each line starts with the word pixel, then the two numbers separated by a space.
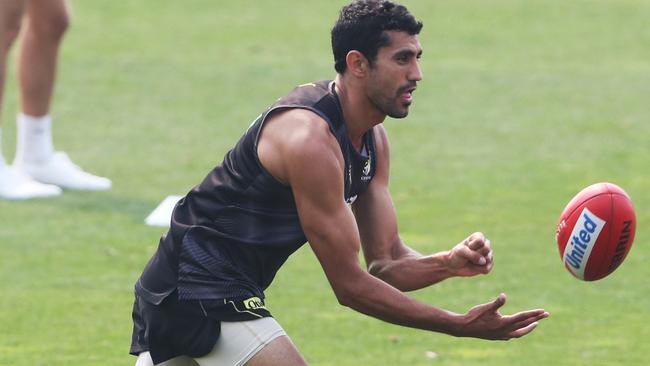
pixel 378 268
pixel 351 286
pixel 386 271
pixel 345 297
pixel 348 292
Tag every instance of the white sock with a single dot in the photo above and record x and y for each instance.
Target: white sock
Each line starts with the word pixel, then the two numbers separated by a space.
pixel 34 141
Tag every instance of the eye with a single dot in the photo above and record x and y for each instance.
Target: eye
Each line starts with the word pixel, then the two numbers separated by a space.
pixel 402 58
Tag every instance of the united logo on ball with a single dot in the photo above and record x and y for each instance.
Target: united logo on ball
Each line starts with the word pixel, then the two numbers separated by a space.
pixel 596 230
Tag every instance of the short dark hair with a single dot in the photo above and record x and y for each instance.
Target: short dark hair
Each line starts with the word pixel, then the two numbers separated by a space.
pixel 361 27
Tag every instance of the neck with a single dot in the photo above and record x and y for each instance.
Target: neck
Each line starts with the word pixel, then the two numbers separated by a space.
pixel 359 114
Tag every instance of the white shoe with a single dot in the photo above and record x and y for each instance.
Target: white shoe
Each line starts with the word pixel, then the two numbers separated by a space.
pixel 16 185
pixel 61 171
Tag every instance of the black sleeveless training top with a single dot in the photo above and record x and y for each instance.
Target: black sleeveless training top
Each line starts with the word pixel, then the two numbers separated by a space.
pixel 229 235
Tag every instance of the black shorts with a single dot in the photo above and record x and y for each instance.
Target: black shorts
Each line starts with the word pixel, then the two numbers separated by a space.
pixel 172 329
pixel 185 327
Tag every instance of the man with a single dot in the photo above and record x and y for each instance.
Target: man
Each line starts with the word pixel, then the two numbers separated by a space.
pixel 38 170
pixel 313 167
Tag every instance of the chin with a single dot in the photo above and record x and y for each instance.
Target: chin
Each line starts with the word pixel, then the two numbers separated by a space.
pixel 399 113
pixel 398 116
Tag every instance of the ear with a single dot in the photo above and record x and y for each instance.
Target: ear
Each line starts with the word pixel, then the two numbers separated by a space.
pixel 357 63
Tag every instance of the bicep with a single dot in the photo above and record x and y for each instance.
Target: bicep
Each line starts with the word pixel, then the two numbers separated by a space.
pixel 315 174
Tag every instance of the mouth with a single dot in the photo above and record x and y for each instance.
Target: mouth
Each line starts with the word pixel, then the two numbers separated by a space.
pixel 406 94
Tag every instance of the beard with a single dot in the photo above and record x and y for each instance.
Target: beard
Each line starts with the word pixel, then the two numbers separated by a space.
pixel 391 105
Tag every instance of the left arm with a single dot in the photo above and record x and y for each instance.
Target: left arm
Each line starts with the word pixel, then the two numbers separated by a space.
pixel 389 258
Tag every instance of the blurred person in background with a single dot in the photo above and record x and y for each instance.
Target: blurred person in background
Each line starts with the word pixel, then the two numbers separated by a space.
pixel 38 170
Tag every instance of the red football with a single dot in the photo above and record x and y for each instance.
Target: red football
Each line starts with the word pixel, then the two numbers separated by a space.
pixel 595 231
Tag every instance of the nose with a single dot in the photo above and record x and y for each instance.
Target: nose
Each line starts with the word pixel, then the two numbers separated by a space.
pixel 415 72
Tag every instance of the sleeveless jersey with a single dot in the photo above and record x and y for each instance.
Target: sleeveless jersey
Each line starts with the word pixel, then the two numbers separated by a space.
pixel 229 235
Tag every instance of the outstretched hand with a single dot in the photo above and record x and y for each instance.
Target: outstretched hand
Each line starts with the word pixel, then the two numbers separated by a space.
pixel 485 321
pixel 471 257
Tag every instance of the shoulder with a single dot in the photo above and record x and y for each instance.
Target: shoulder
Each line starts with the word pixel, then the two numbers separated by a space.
pixel 300 129
pixel 296 140
pixel 300 120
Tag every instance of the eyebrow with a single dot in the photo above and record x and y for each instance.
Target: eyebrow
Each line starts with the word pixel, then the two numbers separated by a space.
pixel 408 52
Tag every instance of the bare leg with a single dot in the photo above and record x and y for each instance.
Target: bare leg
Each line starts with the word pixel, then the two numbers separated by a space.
pixel 46 23
pixel 10 17
pixel 14 184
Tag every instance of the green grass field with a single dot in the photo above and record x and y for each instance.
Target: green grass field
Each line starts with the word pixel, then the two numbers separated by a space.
pixel 523 104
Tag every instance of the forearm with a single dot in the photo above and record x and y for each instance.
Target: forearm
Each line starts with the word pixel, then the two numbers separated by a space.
pixel 371 296
pixel 412 271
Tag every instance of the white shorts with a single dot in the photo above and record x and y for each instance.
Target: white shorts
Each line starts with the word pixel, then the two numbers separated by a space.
pixel 238 343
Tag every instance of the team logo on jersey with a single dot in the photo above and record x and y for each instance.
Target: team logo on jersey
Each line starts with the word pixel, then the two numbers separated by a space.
pixel 366 167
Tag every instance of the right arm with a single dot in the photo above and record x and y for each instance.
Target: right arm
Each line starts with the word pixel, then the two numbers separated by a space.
pixel 297 148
